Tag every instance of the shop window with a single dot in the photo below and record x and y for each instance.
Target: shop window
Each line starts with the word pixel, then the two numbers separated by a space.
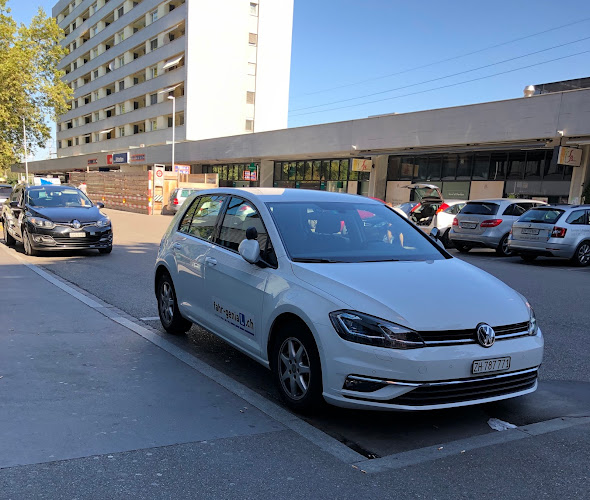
pixel 481 166
pixel 464 166
pixel 498 166
pixel 516 165
pixel 449 167
pixel 535 161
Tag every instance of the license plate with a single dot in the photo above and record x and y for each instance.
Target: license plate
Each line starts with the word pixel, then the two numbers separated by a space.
pixel 490 365
pixel 529 231
pixel 81 234
pixel 468 225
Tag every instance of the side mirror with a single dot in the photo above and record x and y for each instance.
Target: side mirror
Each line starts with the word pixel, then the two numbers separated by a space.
pixel 249 248
pixel 14 204
pixel 100 204
pixel 435 233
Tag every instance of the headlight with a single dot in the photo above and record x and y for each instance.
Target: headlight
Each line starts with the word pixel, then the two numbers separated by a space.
pixel 533 327
pixel 103 222
pixel 36 221
pixel 363 329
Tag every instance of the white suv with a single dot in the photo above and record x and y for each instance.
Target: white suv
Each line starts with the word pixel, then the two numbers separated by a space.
pixel 314 285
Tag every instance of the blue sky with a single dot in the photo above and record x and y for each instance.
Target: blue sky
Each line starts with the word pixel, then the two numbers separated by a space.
pixel 342 42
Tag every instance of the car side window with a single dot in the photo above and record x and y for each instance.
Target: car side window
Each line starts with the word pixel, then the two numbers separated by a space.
pixel 205 217
pixel 520 208
pixel 577 217
pixel 509 210
pixel 188 217
pixel 239 216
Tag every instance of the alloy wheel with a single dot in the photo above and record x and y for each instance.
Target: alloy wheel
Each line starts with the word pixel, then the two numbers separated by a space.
pixel 166 302
pixel 584 254
pixel 294 368
pixel 505 248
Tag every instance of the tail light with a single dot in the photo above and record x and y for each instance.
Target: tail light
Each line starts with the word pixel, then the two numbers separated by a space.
pixel 442 208
pixel 175 201
pixel 491 223
pixel 558 232
pixel 455 222
pixel 414 208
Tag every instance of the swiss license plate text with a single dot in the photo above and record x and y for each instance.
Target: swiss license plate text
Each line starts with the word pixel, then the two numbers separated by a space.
pixel 490 365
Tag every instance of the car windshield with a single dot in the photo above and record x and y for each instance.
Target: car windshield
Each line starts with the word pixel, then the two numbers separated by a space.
pixel 349 232
pixel 52 197
pixel 542 216
pixel 480 208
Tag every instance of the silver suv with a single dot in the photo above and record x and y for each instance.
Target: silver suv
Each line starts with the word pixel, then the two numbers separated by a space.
pixel 487 223
pixel 177 197
pixel 553 231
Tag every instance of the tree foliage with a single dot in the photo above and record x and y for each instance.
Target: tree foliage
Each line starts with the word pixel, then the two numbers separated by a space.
pixel 30 82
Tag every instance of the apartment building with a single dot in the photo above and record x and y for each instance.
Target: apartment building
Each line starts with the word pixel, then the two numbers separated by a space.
pixel 223 66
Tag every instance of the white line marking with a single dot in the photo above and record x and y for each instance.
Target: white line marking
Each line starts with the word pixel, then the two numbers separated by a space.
pixel 150 318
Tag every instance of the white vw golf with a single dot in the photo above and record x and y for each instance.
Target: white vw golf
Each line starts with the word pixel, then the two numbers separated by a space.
pixel 321 288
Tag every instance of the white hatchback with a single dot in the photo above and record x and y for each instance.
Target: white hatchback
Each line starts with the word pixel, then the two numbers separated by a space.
pixel 317 286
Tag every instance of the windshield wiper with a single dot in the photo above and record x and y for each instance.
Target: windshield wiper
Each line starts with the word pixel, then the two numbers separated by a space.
pixel 382 260
pixel 315 261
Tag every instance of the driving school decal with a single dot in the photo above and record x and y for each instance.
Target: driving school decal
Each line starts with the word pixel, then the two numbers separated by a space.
pixel 233 316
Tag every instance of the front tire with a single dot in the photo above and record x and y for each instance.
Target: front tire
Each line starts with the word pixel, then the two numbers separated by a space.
pixel 9 241
pixel 106 250
pixel 503 249
pixel 462 247
pixel 582 256
pixel 296 368
pixel 29 250
pixel 170 316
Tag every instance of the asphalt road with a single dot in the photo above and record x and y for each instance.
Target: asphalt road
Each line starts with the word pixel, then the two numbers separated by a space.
pixel 557 291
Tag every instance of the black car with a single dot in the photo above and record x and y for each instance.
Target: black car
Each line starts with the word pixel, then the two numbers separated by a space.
pixel 52 217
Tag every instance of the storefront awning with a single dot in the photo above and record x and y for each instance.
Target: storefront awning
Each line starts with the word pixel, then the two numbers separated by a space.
pixel 172 62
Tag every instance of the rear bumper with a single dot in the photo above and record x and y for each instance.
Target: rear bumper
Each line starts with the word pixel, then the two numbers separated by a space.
pixel 476 240
pixel 543 248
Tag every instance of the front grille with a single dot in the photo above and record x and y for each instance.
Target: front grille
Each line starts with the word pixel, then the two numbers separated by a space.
pixel 452 337
pixel 468 390
pixel 79 242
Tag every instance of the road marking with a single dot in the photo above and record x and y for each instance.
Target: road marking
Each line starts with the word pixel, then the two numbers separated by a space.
pixel 150 318
pixel 307 431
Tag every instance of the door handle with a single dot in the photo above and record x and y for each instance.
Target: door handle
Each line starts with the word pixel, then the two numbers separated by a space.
pixel 177 245
pixel 211 261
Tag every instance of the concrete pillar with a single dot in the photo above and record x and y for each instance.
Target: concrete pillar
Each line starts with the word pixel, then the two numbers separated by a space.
pixel 580 178
pixel 266 173
pixel 378 179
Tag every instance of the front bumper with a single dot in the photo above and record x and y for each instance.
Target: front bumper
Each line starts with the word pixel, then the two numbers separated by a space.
pixel 544 248
pixel 438 377
pixel 59 238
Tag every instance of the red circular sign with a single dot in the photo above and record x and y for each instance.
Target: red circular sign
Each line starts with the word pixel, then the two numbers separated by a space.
pixel 159 173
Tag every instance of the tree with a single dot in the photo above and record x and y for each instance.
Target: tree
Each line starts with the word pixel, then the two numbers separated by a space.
pixel 30 82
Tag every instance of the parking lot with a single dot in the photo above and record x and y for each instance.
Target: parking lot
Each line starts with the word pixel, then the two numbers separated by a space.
pixel 557 291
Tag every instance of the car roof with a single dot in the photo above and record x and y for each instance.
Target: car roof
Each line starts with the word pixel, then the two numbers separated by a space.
pixel 505 200
pixel 291 195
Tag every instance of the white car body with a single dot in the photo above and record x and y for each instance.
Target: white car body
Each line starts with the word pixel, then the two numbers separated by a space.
pixel 240 302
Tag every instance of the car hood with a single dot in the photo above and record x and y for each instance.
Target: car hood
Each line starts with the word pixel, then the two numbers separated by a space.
pixel 67 214
pixel 430 295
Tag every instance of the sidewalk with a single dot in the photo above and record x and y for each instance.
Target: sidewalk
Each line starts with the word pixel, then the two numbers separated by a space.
pixel 90 409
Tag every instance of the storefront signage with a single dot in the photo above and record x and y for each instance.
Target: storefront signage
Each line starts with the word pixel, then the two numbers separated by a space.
pixel 250 172
pixel 569 156
pixel 361 165
pixel 93 161
pixel 137 158
pixel 109 159
pixel 120 158
pixel 182 169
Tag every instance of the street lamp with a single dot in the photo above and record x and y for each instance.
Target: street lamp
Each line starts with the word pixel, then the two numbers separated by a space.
pixel 173 99
pixel 25 143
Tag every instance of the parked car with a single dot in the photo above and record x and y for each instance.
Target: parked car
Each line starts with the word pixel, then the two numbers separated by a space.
pixel 487 223
pixel 443 219
pixel 51 217
pixel 177 197
pixel 5 190
pixel 553 231
pixel 316 292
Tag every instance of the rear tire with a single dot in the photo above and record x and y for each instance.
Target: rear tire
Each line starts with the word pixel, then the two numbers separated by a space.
pixel 170 316
pixel 296 368
pixel 582 256
pixel 528 257
pixel 9 241
pixel 446 241
pixel 462 247
pixel 502 249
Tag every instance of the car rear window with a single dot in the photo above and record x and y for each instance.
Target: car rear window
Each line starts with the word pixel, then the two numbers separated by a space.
pixel 186 192
pixel 541 215
pixel 480 208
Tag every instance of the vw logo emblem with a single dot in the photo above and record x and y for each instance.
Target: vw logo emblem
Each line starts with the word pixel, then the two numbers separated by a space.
pixel 76 224
pixel 486 336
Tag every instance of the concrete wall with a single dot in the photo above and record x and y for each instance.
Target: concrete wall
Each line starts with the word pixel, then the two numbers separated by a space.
pixel 273 66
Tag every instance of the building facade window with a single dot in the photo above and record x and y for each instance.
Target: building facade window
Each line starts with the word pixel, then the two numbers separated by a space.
pixel 121 131
pixel 250 97
pixel 326 175
pixel 250 125
pixel 154 44
pixel 252 39
pixel 253 9
pixel 235 175
pixel 153 99
pixel 154 15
